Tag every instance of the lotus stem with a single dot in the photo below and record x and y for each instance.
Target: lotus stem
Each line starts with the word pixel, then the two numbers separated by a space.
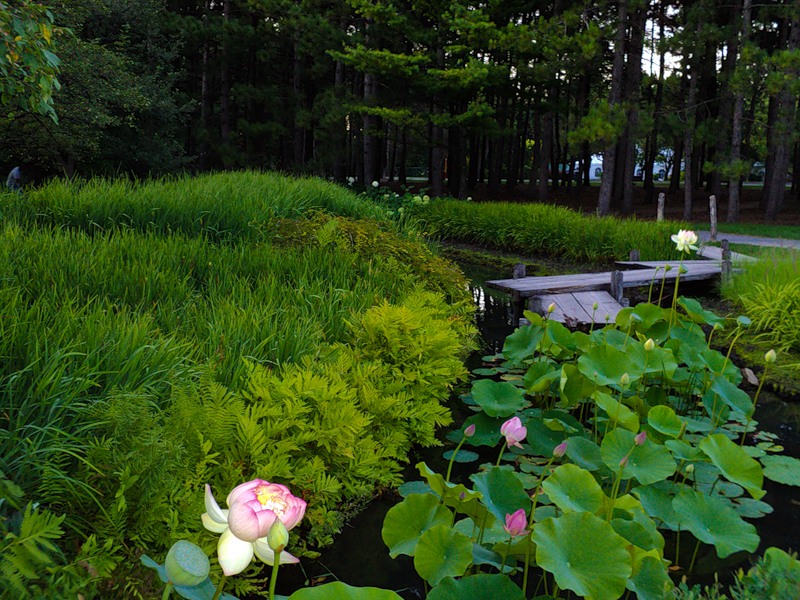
pixel 502 450
pixel 694 556
pixel 452 460
pixel 221 585
pixel 274 579
pixel 673 315
pixel 167 591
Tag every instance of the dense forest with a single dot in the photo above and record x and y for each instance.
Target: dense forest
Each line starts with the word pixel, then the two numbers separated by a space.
pixel 513 94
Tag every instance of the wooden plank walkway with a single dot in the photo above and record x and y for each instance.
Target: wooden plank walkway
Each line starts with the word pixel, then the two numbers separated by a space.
pixel 715 253
pixel 576 307
pixel 568 291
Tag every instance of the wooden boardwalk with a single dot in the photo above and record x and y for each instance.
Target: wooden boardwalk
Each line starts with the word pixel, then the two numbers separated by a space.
pixel 540 292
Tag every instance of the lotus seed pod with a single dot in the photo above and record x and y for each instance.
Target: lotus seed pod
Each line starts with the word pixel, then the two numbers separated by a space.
pixel 186 564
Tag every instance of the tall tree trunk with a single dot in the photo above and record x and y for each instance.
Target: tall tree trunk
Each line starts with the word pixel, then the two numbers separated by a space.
pixel 633 85
pixel 299 132
pixel 691 66
pixel 545 154
pixel 371 142
pixel 734 183
pixel 614 99
pixel 225 91
pixel 653 148
pixel 782 132
pixel 205 98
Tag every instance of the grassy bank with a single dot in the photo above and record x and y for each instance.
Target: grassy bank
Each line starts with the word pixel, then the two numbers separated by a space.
pixel 158 337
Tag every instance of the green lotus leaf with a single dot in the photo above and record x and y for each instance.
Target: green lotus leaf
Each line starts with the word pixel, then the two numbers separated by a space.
pixel 664 420
pixel 716 363
pixel 658 360
pixel 783 469
pixel 540 375
pixel 573 386
pixel 485 372
pixel 463 456
pixel 407 521
pixel 573 489
pixel 736 398
pixel 657 502
pixel 414 487
pixel 487 430
pixel 648 315
pixel 648 463
pixel 683 451
pixel 617 412
pixel 635 533
pixel 541 438
pixel 711 521
pixel 584 453
pixel 341 591
pixel 606 365
pixel 498 398
pixel 584 554
pixel 442 552
pixel 750 508
pixel 561 336
pixel 484 556
pixel 651 581
pixel 493 531
pixel 717 409
pixel 697 313
pixel 523 343
pixel 477 587
pixel 203 591
pixel 502 491
pixel 734 463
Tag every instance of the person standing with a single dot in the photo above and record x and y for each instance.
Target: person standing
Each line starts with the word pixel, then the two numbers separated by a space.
pixel 14 181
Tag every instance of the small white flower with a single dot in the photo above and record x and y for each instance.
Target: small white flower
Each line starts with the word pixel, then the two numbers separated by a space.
pixel 375 184
pixel 351 180
pixel 685 240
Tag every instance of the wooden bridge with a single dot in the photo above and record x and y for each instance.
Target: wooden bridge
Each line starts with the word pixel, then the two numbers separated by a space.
pixel 574 296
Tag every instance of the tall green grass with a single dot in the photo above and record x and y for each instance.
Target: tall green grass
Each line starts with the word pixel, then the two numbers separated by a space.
pixel 769 293
pixel 548 230
pixel 220 206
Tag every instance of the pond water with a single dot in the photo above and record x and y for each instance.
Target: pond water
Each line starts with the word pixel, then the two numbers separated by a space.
pixel 360 558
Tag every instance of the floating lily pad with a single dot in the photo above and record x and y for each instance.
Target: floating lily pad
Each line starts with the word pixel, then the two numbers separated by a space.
pixel 487 430
pixel 498 398
pixel 477 587
pixel 711 521
pixel 584 554
pixel 783 469
pixel 463 456
pixel 484 372
pixel 442 552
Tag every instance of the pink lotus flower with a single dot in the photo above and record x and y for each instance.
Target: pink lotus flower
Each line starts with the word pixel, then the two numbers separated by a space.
pixel 516 523
pixel 253 508
pixel 514 432
pixel 470 430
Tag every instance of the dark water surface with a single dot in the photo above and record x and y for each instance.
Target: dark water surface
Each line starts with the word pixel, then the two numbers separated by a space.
pixel 360 558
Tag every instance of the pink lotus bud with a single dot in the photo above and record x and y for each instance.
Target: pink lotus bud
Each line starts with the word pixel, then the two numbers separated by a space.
pixel 514 432
pixel 516 523
pixel 560 450
pixel 624 462
pixel 640 438
pixel 470 430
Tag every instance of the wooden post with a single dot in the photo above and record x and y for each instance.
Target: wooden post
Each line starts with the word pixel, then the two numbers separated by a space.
pixel 662 197
pixel 616 286
pixel 634 256
pixel 518 271
pixel 517 308
pixel 712 214
pixel 727 266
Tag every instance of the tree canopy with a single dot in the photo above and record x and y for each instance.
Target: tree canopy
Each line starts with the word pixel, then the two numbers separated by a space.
pixel 522 94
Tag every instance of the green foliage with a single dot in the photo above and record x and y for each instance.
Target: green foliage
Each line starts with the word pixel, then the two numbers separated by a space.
pixel 769 293
pixel 28 63
pixel 632 428
pixel 545 229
